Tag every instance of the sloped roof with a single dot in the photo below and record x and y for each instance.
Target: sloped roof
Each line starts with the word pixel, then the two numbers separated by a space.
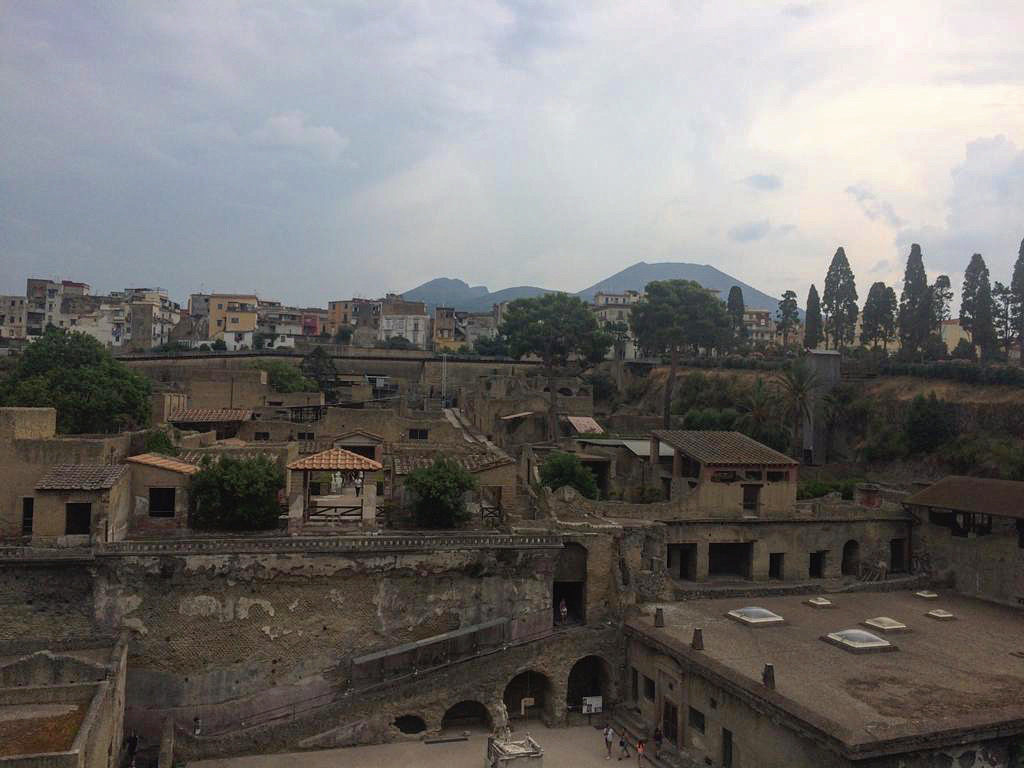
pixel 724 448
pixel 160 461
pixel 585 425
pixel 641 448
pixel 81 477
pixel 478 461
pixel 360 433
pixel 513 416
pixel 976 495
pixel 210 415
pixel 196 457
pixel 336 460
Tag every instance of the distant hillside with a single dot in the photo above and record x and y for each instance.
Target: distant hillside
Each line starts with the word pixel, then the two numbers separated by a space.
pixel 451 292
pixel 636 277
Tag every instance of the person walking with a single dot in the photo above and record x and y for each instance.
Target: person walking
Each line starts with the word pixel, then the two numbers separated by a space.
pixel 563 610
pixel 359 483
pixel 623 746
pixel 609 737
pixel 658 736
pixel 641 749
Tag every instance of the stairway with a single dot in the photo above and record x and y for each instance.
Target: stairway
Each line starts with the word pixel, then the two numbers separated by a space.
pixel 629 722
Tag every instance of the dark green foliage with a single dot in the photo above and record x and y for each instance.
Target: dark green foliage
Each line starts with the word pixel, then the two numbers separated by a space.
pixel 344 334
pixel 561 469
pixel 285 377
pixel 942 297
pixel 963 350
pixel 710 418
pixel 602 386
pixel 204 347
pixel 75 374
pixel 619 332
pixel 815 489
pixel 798 386
pixel 929 423
pixel 236 494
pixel 397 342
pixel 934 348
pixel 839 301
pixel 159 441
pixel 496 346
pixel 984 456
pixel 878 319
pixel 319 367
pixel 968 373
pixel 812 320
pixel 1002 319
pixel 787 316
pixel 976 306
pixel 439 494
pixel 219 345
pixel 1017 289
pixel 916 304
pixel 735 307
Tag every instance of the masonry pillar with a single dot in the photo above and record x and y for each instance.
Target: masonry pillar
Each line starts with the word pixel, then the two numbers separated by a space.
pixel 702 561
pixel 759 561
pixel 369 512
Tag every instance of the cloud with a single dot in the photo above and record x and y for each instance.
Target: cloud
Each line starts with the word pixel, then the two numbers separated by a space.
pixel 985 211
pixel 753 230
pixel 874 208
pixel 294 131
pixel 764 181
pixel 882 265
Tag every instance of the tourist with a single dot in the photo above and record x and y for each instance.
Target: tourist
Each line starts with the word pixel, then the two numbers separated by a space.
pixel 623 746
pixel 641 748
pixel 658 736
pixel 359 483
pixel 563 610
pixel 609 737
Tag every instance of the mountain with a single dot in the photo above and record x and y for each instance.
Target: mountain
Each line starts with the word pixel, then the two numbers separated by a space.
pixel 451 292
pixel 636 277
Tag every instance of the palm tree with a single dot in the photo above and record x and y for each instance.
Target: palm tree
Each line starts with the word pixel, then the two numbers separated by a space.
pixel 758 409
pixel 799 386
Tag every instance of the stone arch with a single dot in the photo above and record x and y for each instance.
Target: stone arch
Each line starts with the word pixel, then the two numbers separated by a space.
pixel 565 392
pixel 590 675
pixel 570 584
pixel 529 684
pixel 410 724
pixel 851 558
pixel 467 713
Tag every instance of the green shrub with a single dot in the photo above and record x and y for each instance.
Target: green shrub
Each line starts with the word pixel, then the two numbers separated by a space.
pixel 285 377
pixel 929 423
pixel 561 469
pixel 439 494
pixel 236 494
pixel 159 441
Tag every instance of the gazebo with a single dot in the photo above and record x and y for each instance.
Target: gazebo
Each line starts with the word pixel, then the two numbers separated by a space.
pixel 348 499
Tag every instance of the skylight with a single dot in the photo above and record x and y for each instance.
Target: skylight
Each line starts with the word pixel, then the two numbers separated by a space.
pixel 858 641
pixel 886 624
pixel 927 594
pixel 941 614
pixel 820 602
pixel 755 616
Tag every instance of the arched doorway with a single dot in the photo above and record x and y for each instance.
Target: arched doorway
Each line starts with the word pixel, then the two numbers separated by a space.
pixel 528 695
pixel 589 677
pixel 465 715
pixel 851 558
pixel 410 724
pixel 570 584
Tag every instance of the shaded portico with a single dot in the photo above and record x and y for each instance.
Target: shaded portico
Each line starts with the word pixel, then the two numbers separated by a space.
pixel 347 498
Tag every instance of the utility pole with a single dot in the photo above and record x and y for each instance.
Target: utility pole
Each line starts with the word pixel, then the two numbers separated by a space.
pixel 444 380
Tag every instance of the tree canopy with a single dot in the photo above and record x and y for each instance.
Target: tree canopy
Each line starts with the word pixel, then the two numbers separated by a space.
pixel 439 493
pixel 812 320
pixel 561 469
pixel 788 316
pixel 736 308
pixel 75 374
pixel 230 494
pixel 976 310
pixel 319 367
pixel 1017 289
pixel 839 301
pixel 878 320
pixel 285 377
pixel 555 327
pixel 494 346
pixel 915 304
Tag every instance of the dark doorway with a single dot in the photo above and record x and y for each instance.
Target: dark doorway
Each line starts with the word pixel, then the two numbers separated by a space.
pixel 751 498
pixel 816 569
pixel 670 722
pixel 410 724
pixel 726 748
pixel 635 687
pixel 526 695
pixel 851 558
pixel 776 565
pixel 730 560
pixel 682 561
pixel 28 506
pixel 600 470
pixel 588 677
pixel 570 584
pixel 77 519
pixel 466 714
pixel 898 556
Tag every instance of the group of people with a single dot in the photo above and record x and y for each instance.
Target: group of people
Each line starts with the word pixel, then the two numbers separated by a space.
pixel 641 745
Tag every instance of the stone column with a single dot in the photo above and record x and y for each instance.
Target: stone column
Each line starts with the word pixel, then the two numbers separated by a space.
pixel 702 561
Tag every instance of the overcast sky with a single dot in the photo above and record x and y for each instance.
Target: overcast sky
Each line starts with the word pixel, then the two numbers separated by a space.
pixel 315 151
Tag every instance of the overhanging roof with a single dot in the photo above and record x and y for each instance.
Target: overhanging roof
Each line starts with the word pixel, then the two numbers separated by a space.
pixel 336 460
pixel 81 477
pixel 722 448
pixel 975 495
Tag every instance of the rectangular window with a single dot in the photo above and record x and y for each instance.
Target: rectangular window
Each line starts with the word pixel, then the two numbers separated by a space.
pixel 751 497
pixel 696 720
pixel 777 477
pixel 775 565
pixel 307 436
pixel 77 519
pixel 752 474
pixel 636 685
pixel 816 568
pixel 28 505
pixel 262 436
pixel 417 434
pixel 234 321
pixel 161 502
pixel 648 688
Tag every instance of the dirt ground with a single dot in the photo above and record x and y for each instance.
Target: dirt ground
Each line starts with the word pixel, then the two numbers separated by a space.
pixel 31 729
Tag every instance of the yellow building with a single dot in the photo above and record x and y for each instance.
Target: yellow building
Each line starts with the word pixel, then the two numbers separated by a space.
pixel 232 313
pixel 953 333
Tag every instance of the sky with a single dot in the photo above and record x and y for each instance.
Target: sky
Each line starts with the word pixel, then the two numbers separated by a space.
pixel 311 151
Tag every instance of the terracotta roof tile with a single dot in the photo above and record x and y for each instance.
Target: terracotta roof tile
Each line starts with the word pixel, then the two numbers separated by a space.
pixel 210 415
pixel 81 477
pixel 336 460
pixel 712 447
pixel 160 461
pixel 585 425
pixel 473 462
pixel 978 495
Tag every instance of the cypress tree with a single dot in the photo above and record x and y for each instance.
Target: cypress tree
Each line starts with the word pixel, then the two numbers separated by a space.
pixel 889 317
pixel 736 308
pixel 914 298
pixel 839 301
pixel 1017 289
pixel 976 309
pixel 812 320
pixel 873 321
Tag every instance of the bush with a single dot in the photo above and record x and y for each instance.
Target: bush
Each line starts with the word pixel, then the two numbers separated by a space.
pixel 398 342
pixel 219 345
pixel 815 489
pixel 285 377
pixel 561 469
pixel 963 350
pixel 998 457
pixel 929 423
pixel 603 386
pixel 710 418
pixel 159 441
pixel 439 494
pixel 236 494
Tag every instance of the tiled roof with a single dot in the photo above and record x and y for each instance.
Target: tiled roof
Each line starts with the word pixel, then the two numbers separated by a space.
pixel 473 462
pixel 712 447
pixel 360 433
pixel 81 477
pixel 160 461
pixel 336 460
pixel 977 495
pixel 211 415
pixel 585 425
pixel 196 457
